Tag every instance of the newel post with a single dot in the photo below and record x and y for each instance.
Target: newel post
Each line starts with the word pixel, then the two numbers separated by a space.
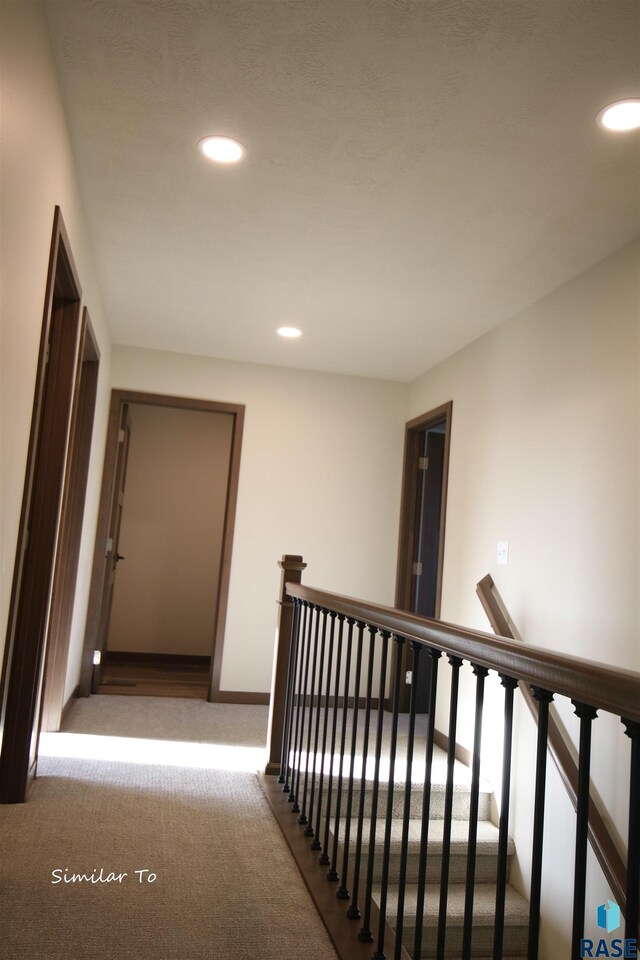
pixel 292 567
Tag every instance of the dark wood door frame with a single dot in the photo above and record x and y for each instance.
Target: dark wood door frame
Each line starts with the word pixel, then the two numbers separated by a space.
pixel 407 545
pixel 68 555
pixel 95 638
pixel 54 404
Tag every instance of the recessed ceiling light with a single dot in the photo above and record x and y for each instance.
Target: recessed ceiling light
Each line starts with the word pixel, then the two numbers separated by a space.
pixel 290 332
pixel 621 115
pixel 222 149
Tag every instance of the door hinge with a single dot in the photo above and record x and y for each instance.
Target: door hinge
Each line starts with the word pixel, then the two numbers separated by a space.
pixel 416 569
pixel 121 437
pixel 423 463
pixel 47 351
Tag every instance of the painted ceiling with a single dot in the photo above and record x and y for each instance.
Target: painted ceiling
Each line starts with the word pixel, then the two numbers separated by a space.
pixel 416 172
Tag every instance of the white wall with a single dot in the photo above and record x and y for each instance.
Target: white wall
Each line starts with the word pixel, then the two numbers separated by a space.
pixel 37 173
pixel 545 454
pixel 320 475
pixel 171 533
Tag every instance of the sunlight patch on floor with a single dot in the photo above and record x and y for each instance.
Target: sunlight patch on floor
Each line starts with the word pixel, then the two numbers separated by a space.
pixel 165 753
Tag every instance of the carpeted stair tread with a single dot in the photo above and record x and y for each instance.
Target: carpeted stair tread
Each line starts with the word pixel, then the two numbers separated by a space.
pixel 515 929
pixel 484 903
pixel 487 835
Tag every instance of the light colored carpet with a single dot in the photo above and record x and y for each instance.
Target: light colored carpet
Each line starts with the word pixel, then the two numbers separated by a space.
pixel 226 884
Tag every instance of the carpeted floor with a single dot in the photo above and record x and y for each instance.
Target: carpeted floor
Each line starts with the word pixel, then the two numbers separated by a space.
pixel 226 886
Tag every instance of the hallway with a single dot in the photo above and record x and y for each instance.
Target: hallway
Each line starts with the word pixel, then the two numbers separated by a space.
pixel 163 785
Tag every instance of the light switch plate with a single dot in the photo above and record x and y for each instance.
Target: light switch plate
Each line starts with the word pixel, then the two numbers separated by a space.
pixel 502 555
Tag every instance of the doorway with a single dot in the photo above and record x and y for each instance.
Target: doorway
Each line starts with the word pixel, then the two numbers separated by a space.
pixel 44 586
pixel 163 547
pixel 422 527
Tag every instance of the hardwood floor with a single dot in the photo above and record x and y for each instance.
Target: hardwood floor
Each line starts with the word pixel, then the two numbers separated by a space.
pixel 155 677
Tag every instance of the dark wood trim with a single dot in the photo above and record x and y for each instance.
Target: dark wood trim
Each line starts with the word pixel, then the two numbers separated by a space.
pixel 39 519
pixel 66 710
pixel 68 552
pixel 333 912
pixel 461 753
pixel 561 750
pixel 597 684
pixel 128 656
pixel 96 616
pixel 407 547
pixel 242 696
pixel 224 577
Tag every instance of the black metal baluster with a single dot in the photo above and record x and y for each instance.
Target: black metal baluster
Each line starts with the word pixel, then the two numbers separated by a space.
pixel 406 812
pixel 480 673
pixel 398 643
pixel 303 819
pixel 343 892
pixel 301 706
pixel 354 911
pixel 365 935
pixel 586 715
pixel 324 856
pixel 544 698
pixel 312 609
pixel 288 709
pixel 456 663
pixel 316 845
pixel 509 685
pixel 426 804
pixel 633 848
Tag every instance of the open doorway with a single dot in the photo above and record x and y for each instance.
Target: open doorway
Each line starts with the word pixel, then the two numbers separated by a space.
pixel 422 525
pixel 163 548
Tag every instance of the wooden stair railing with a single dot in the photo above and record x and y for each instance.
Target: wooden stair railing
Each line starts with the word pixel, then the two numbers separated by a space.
pixel 347 772
pixel 600 838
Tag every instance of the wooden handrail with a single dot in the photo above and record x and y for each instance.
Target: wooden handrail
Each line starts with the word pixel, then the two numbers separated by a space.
pixel 607 688
pixel 560 748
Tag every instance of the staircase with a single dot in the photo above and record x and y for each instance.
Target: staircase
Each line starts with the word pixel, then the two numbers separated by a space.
pixel 516 908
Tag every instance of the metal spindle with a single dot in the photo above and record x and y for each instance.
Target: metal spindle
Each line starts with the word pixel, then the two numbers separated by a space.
pixel 354 911
pixel 316 845
pixel 586 715
pixel 343 892
pixel 480 674
pixel 301 707
pixel 406 811
pixel 324 856
pixel 544 698
pixel 288 709
pixel 633 848
pixel 303 819
pixel 456 663
pixel 509 685
pixel 365 935
pixel 426 803
pixel 399 643
pixel 313 610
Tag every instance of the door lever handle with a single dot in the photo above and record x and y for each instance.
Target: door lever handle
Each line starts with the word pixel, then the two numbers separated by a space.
pixel 119 556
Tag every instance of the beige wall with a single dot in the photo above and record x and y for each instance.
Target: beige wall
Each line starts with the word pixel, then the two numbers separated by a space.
pixel 545 454
pixel 320 475
pixel 37 171
pixel 171 535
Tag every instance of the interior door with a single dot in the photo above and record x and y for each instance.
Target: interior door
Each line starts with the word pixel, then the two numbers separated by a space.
pixel 421 547
pixel 428 524
pixel 112 554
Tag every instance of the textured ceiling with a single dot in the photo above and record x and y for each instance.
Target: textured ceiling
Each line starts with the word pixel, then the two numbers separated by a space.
pixel 417 172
